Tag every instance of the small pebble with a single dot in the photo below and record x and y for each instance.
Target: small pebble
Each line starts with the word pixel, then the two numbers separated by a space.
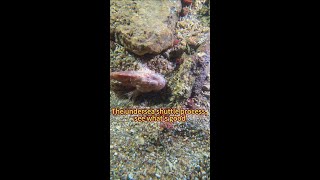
pixel 170 164
pixel 206 87
pixel 130 177
pixel 158 176
pixel 201 54
pixel 166 169
pixel 192 41
pixel 207 70
pixel 198 168
pixel 151 170
pixel 140 140
pixel 150 149
pixel 150 161
pixel 207 95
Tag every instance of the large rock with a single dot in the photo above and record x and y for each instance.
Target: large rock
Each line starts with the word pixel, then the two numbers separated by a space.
pixel 144 26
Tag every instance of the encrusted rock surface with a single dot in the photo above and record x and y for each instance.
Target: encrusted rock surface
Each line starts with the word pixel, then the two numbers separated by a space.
pixel 203 60
pixel 144 27
pixel 152 150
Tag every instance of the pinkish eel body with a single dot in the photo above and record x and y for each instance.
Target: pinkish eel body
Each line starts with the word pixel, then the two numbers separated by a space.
pixel 144 81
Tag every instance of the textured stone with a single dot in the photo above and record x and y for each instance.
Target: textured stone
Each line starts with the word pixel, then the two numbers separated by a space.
pixel 206 87
pixel 144 26
pixel 203 56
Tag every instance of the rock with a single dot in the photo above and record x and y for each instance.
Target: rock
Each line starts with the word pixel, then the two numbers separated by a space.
pixel 182 80
pixel 140 140
pixel 123 177
pixel 150 161
pixel 130 177
pixel 203 57
pixel 206 87
pixel 183 162
pixel 208 71
pixel 158 176
pixel 151 170
pixel 144 26
pixel 150 149
pixel 171 167
pixel 179 153
pixel 192 41
pixel 207 94
pixel 112 45
pixel 198 168
pixel 166 169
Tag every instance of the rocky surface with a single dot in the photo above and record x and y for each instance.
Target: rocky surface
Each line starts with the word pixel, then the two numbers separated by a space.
pixel 203 59
pixel 143 151
pixel 144 27
pixel 147 150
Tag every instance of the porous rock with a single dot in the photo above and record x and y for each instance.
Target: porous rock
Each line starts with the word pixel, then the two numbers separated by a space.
pixel 144 27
